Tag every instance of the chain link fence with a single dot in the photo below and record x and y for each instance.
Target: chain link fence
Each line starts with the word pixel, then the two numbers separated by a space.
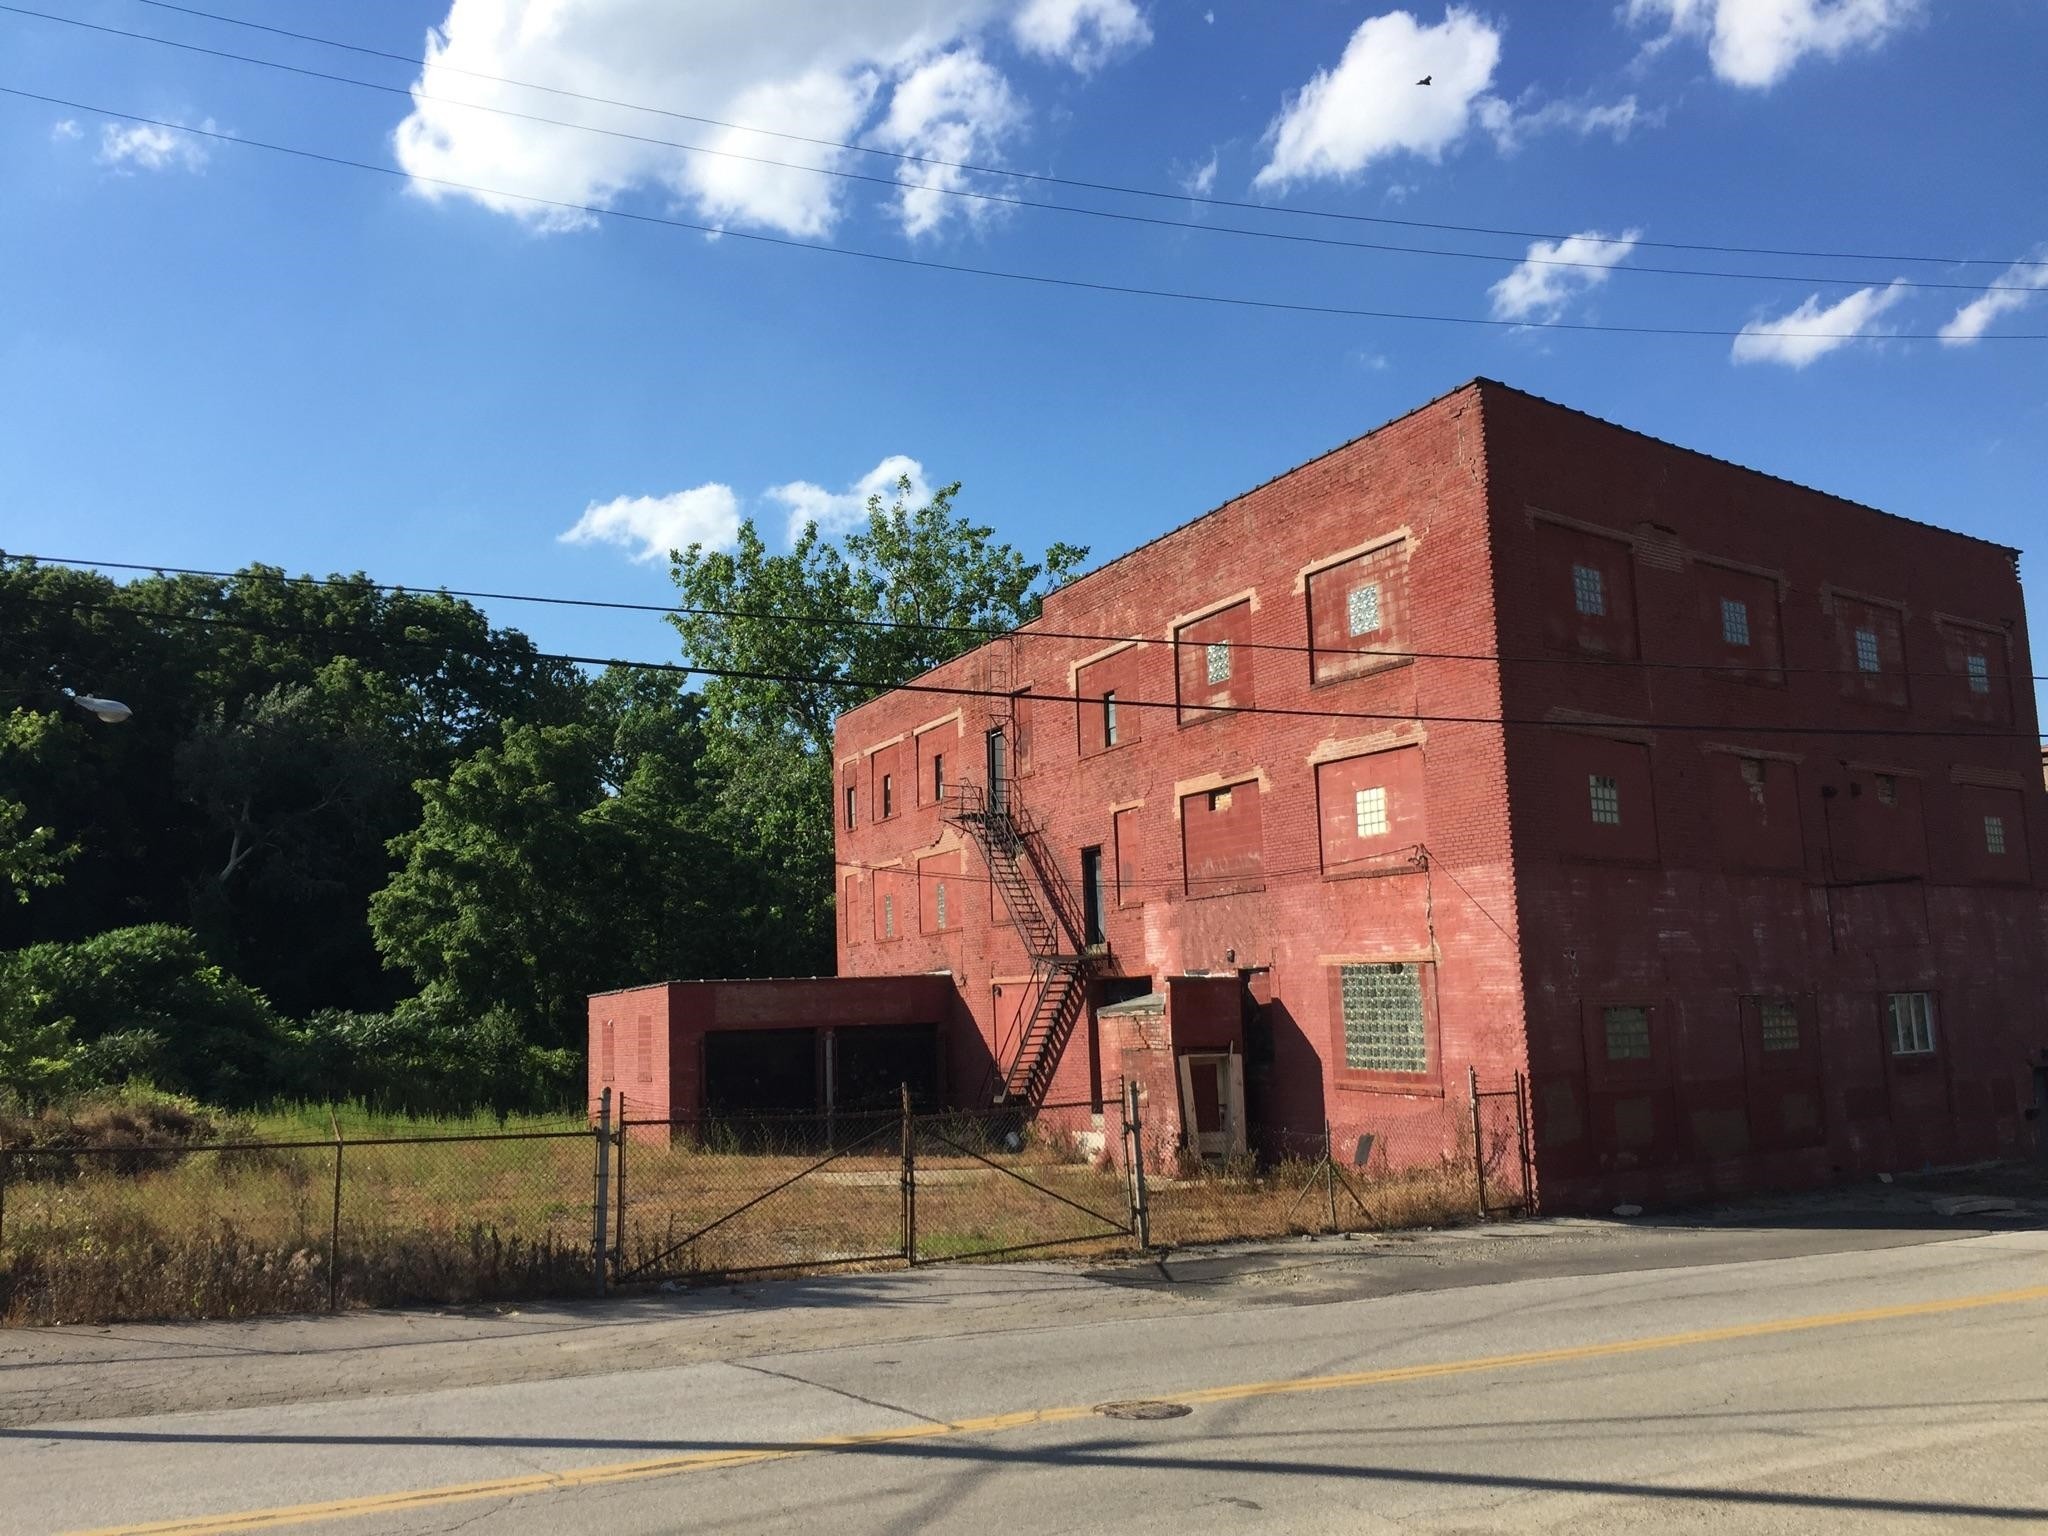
pixel 98 1233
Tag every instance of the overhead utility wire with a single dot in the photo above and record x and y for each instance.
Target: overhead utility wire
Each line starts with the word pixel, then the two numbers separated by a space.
pixel 985 633
pixel 880 686
pixel 1063 181
pixel 1498 258
pixel 1041 279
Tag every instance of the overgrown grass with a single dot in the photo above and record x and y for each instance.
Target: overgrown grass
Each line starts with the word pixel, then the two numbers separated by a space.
pixel 307 1122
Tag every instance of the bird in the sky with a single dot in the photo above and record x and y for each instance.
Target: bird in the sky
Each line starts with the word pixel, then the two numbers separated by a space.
pixel 1425 80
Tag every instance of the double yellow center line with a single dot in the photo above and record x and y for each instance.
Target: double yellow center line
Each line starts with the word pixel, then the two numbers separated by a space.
pixel 406 1500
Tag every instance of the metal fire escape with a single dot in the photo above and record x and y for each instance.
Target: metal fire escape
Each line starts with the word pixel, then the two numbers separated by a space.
pixel 1044 908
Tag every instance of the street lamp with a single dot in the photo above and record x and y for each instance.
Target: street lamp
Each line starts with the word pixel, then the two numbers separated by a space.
pixel 108 711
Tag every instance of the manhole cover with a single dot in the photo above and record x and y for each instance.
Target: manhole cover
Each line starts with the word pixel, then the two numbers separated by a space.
pixel 1144 1409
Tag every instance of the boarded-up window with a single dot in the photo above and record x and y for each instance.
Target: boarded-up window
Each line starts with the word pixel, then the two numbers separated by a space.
pixel 1753 804
pixel 1870 650
pixel 938 879
pixel 1130 877
pixel 1221 840
pixel 1740 628
pixel 1605 808
pixel 1103 689
pixel 1384 1025
pixel 1358 612
pixel 1370 808
pixel 1588 586
pixel 1214 671
pixel 1979 662
pixel 1990 836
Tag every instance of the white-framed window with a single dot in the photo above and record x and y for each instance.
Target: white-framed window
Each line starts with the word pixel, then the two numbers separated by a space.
pixel 1589 590
pixel 888 917
pixel 1109 718
pixel 1384 1028
pixel 1887 789
pixel 1866 651
pixel 1780 1022
pixel 1605 795
pixel 1994 834
pixel 1369 811
pixel 1980 673
pixel 1912 1023
pixel 1734 621
pixel 1216 657
pixel 1628 1032
pixel 939 905
pixel 1362 610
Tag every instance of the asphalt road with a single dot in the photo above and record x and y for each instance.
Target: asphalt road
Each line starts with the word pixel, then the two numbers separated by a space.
pixel 1763 1380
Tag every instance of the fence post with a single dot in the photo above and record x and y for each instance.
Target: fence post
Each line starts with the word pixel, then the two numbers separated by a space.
pixel 334 1226
pixel 1478 1150
pixel 6 1168
pixel 619 1223
pixel 602 1140
pixel 909 1181
pixel 1330 1174
pixel 1141 1214
pixel 1522 1142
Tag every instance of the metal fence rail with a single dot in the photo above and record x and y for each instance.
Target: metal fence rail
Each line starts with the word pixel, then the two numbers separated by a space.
pixel 104 1232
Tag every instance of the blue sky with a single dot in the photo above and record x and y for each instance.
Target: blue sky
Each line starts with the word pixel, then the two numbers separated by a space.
pixel 212 354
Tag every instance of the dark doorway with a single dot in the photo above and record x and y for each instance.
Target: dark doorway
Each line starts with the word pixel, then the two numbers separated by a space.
pixel 875 1063
pixel 998 770
pixel 1091 895
pixel 761 1071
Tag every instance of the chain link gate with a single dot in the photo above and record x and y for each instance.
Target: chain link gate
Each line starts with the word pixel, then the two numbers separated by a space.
pixel 1501 1163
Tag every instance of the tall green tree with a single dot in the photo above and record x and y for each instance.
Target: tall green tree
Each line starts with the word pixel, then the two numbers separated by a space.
pixel 803 636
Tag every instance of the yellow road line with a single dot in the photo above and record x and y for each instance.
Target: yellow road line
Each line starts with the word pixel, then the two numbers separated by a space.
pixel 704 1461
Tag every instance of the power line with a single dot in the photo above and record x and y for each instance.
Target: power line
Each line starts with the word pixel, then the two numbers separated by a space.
pixel 984 633
pixel 1065 181
pixel 1193 225
pixel 1040 279
pixel 875 687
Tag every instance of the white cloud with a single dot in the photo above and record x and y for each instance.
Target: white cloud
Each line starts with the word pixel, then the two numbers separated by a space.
pixel 1511 125
pixel 1200 181
pixel 146 147
pixel 706 514
pixel 1539 289
pixel 1757 42
pixel 1810 332
pixel 955 106
pixel 836 511
pixel 2014 289
pixel 825 69
pixel 1369 106
pixel 65 128
pixel 1083 34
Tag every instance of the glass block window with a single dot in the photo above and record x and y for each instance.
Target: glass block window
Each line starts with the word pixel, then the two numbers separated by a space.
pixel 1589 590
pixel 1217 657
pixel 888 917
pixel 1383 1022
pixel 1606 798
pixel 1109 718
pixel 1362 610
pixel 1628 1033
pixel 1734 621
pixel 1866 651
pixel 1912 1022
pixel 939 905
pixel 1781 1024
pixel 1887 789
pixel 1370 811
pixel 1980 673
pixel 1994 834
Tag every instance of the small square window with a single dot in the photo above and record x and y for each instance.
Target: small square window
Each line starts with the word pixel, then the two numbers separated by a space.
pixel 1109 718
pixel 1781 1024
pixel 939 905
pixel 1217 658
pixel 888 796
pixel 1980 673
pixel 1219 799
pixel 1734 621
pixel 1628 1033
pixel 888 917
pixel 1606 798
pixel 1370 810
pixel 849 807
pixel 1887 789
pixel 1589 590
pixel 1753 771
pixel 1912 1023
pixel 1994 834
pixel 1362 610
pixel 1866 651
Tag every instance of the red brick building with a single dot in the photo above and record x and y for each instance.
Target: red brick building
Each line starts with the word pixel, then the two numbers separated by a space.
pixel 1500 739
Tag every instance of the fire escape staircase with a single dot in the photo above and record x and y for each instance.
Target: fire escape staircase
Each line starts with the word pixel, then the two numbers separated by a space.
pixel 1047 917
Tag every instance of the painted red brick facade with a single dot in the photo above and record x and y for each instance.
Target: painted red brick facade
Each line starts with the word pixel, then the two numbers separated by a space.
pixel 1644 858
